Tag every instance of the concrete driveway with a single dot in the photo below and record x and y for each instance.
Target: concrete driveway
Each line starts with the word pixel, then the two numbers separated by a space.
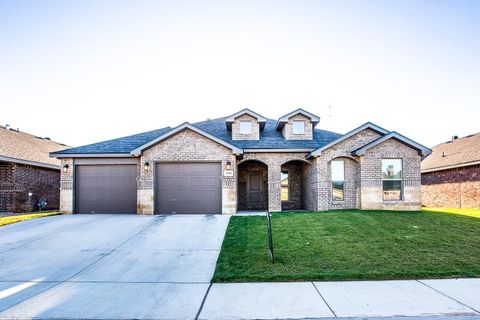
pixel 108 266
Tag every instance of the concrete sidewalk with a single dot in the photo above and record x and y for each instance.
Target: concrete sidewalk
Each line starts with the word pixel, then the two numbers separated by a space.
pixel 345 299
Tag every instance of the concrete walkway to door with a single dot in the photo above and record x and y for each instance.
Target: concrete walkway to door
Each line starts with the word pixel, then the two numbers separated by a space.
pixel 108 266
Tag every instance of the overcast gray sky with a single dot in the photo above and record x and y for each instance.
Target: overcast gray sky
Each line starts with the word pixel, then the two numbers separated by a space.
pixel 85 71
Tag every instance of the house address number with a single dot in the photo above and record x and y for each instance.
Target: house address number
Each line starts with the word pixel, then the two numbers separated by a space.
pixel 228 173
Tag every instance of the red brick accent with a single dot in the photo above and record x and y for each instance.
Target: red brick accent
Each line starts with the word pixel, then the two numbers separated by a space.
pixel 453 188
pixel 17 180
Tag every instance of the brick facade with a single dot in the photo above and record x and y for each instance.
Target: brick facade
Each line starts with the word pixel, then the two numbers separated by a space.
pixel 236 135
pixel 371 177
pixel 187 145
pixel 452 188
pixel 310 180
pixel 17 180
pixel 287 130
pixel 322 178
pixel 66 187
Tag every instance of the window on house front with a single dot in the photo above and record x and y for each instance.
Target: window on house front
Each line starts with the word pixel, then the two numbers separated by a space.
pixel 338 180
pixel 245 127
pixel 392 179
pixel 285 191
pixel 298 127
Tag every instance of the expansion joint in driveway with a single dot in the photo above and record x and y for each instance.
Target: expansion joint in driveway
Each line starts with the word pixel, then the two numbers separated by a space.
pixel 203 301
pixel 88 266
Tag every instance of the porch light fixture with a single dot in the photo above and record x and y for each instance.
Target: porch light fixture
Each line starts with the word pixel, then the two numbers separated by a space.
pixel 146 166
pixel 65 168
pixel 228 166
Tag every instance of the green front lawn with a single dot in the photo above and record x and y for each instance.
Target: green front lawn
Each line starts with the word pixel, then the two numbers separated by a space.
pixel 12 219
pixel 351 244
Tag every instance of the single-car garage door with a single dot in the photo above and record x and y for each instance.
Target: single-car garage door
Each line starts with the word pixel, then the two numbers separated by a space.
pixel 189 187
pixel 106 188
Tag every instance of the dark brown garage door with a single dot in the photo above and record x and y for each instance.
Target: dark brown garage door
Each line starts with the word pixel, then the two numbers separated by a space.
pixel 188 188
pixel 106 188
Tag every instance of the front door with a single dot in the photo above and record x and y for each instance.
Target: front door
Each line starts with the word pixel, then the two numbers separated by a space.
pixel 254 191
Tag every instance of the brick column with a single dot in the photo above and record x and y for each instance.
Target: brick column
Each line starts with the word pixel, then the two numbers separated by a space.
pixel 66 187
pixel 145 194
pixel 274 199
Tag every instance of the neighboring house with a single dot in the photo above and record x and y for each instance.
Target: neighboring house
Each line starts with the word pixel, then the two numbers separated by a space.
pixel 26 168
pixel 451 174
pixel 241 162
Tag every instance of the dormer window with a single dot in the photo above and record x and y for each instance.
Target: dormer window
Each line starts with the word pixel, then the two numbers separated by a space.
pixel 245 127
pixel 298 127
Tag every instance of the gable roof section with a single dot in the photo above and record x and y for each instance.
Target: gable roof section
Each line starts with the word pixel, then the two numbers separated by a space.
pixel 457 153
pixel 24 148
pixel 138 151
pixel 422 150
pixel 284 119
pixel 230 119
pixel 111 148
pixel 349 134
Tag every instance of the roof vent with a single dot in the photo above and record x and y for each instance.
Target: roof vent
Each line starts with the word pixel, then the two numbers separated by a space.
pixel 454 137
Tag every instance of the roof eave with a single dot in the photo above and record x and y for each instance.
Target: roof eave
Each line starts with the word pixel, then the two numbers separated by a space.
pixel 453 166
pixel 30 162
pixel 91 155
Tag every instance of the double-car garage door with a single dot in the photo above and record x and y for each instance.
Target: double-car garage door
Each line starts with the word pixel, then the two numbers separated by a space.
pixel 180 187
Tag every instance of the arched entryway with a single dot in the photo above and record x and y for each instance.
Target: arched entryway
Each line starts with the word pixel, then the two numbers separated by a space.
pixel 252 185
pixel 293 183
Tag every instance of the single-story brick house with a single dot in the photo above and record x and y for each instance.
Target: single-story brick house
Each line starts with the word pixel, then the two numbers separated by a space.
pixel 244 162
pixel 27 172
pixel 451 174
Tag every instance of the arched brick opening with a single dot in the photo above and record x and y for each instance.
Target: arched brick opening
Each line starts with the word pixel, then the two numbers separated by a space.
pixel 252 185
pixel 294 185
pixel 351 184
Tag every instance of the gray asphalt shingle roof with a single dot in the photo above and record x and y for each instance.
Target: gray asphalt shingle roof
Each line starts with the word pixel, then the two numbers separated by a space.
pixel 119 145
pixel 269 139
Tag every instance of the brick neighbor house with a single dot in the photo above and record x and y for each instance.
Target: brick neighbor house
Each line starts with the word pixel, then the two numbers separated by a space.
pixel 451 174
pixel 25 167
pixel 244 162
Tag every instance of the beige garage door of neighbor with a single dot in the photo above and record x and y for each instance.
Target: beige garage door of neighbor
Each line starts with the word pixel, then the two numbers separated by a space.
pixel 188 187
pixel 106 188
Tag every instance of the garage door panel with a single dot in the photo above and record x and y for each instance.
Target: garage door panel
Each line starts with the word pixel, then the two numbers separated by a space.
pixel 106 188
pixel 188 188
